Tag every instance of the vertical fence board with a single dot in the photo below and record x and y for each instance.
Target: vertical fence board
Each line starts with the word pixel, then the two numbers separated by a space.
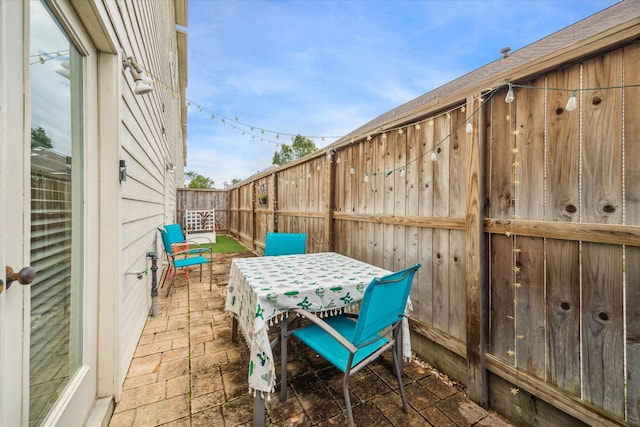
pixel 633 333
pixel 603 348
pixel 457 239
pixel 412 195
pixel 562 148
pixel 529 161
pixel 377 200
pixel 400 185
pixel 602 319
pixel 500 158
pixel 632 134
pixel 424 280
pixel 528 171
pixel 441 237
pixel 632 216
pixel 389 204
pixel 501 298
pixel 563 314
pixel 363 187
pixel 601 160
pixel 530 306
pixel 368 202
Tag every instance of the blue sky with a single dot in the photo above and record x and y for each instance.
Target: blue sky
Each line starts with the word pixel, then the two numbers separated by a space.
pixel 262 71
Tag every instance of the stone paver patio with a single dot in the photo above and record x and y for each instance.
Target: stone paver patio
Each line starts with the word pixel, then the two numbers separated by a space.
pixel 186 371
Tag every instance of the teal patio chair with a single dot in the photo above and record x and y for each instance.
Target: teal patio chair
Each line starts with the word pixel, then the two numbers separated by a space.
pixel 185 258
pixel 285 244
pixel 351 342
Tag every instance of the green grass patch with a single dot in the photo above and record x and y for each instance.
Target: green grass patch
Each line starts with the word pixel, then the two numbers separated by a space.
pixel 226 244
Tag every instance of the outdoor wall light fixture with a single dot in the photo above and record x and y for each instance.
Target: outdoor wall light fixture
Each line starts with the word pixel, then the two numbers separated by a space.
pixel 143 83
pixel 122 173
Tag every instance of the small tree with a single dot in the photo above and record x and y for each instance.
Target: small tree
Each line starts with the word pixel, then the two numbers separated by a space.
pixel 198 181
pixel 39 138
pixel 233 182
pixel 300 147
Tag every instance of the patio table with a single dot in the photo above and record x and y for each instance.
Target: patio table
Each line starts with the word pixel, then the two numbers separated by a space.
pixel 262 290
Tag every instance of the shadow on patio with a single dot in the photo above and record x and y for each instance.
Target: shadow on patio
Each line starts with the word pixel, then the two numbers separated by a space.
pixel 186 371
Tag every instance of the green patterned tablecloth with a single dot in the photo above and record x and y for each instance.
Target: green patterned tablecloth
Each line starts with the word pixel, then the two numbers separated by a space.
pixel 262 289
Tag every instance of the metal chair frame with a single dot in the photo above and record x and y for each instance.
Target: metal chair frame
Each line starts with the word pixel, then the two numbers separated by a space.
pixel 377 329
pixel 192 256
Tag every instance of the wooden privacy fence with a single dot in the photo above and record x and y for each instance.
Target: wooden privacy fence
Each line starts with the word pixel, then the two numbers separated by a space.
pixel 525 217
pixel 204 199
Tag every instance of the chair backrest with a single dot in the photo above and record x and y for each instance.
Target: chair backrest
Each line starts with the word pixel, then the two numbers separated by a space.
pixel 285 244
pixel 171 233
pixel 166 240
pixel 383 304
pixel 174 232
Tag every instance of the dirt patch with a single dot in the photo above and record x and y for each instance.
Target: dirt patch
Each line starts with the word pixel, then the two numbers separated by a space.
pixel 222 266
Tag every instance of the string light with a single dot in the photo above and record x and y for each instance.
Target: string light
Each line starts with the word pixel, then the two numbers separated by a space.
pixel 510 95
pixel 469 128
pixel 572 103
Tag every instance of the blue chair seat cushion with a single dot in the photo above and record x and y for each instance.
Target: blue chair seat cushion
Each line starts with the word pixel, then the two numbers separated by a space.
pixel 188 262
pixel 330 349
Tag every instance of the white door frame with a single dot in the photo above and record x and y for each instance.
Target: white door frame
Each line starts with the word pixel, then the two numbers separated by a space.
pixel 14 161
pixel 79 396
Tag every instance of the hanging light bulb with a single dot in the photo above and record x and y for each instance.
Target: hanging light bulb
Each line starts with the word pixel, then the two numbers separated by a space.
pixel 510 95
pixel 572 103
pixel 402 172
pixel 366 178
pixel 469 127
pixel 433 156
pixel 353 171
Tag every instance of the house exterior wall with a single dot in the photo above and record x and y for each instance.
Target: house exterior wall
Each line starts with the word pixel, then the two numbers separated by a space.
pixel 121 217
pixel 151 145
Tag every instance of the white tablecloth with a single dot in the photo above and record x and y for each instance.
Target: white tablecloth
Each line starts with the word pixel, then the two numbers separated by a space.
pixel 262 289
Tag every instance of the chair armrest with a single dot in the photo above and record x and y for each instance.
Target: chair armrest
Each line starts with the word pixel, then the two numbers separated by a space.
pixel 180 248
pixel 201 240
pixel 327 328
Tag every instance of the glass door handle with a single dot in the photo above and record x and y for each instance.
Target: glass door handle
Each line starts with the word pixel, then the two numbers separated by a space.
pixel 25 276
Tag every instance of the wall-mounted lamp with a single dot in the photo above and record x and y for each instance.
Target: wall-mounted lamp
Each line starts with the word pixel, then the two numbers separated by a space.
pixel 122 174
pixel 143 83
pixel 64 70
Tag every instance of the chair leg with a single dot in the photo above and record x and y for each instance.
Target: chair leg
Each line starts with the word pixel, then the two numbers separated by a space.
pixel 210 276
pixel 397 367
pixel 173 278
pixel 347 399
pixel 234 329
pixel 283 358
